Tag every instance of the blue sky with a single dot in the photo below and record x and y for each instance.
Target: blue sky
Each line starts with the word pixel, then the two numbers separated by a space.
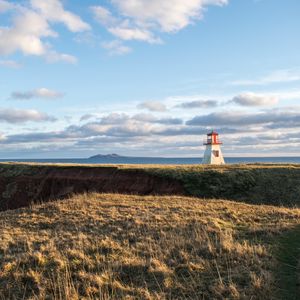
pixel 148 78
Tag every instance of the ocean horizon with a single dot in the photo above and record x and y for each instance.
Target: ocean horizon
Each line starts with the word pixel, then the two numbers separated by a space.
pixel 158 160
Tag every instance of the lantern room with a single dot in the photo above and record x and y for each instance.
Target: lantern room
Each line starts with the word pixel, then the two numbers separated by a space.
pixel 212 139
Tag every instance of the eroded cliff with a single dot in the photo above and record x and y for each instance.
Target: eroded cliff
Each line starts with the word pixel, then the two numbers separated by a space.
pixel 22 184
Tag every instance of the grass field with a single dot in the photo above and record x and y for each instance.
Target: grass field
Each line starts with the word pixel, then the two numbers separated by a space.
pixel 104 246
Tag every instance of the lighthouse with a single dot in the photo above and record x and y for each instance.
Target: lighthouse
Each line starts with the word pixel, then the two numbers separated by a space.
pixel 213 154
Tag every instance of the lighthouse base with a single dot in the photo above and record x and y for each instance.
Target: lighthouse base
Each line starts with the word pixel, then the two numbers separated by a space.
pixel 213 155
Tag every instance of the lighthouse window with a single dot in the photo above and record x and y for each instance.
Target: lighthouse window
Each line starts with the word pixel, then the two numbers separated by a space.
pixel 216 153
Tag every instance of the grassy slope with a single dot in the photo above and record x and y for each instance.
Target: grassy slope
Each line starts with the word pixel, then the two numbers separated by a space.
pixel 115 246
pixel 258 183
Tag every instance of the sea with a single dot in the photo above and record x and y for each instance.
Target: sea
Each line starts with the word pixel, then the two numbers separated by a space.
pixel 160 160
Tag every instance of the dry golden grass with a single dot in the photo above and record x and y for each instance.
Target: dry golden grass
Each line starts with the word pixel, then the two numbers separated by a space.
pixel 130 247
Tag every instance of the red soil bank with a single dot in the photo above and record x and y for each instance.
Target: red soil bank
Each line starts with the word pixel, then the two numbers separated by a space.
pixel 42 183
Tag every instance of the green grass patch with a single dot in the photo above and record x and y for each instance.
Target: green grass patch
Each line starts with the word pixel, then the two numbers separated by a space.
pixel 288 256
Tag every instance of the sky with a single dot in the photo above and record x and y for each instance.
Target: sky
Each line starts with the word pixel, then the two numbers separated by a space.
pixel 149 77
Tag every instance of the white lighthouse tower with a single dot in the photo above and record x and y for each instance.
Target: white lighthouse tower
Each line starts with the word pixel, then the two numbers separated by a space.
pixel 213 154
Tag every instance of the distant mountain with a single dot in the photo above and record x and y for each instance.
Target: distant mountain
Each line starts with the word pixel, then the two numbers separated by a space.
pixel 98 156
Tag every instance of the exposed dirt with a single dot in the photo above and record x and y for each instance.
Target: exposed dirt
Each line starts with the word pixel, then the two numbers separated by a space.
pixel 44 183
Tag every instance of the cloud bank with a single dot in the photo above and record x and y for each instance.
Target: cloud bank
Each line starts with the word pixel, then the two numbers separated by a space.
pixel 252 99
pixel 240 130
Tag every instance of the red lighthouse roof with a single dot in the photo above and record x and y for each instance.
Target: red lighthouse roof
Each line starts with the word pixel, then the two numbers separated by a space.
pixel 212 133
pixel 212 139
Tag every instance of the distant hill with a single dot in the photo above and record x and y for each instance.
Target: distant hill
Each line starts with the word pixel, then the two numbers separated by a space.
pixel 113 155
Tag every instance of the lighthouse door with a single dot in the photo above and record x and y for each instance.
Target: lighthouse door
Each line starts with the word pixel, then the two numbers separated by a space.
pixel 216 153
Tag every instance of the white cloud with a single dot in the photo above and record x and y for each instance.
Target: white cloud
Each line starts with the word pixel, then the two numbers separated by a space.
pixel 153 106
pixel 167 15
pixel 52 10
pixel 252 99
pixel 116 47
pixel 129 34
pixel 144 20
pixel 25 35
pixel 104 16
pixel 122 29
pixel 41 93
pixel 15 116
pixel 31 26
pixel 46 93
